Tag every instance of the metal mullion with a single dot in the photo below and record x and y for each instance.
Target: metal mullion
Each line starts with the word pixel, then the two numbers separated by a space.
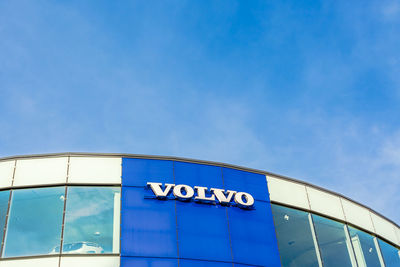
pixel 379 252
pixel 8 212
pixel 6 224
pixel 64 210
pixel 63 218
pixel 350 247
pixel 313 233
pixel 315 240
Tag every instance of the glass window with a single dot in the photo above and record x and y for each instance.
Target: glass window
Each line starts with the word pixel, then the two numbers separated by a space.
pixel 295 240
pixel 34 223
pixel 92 220
pixel 364 248
pixel 391 255
pixel 335 247
pixel 4 196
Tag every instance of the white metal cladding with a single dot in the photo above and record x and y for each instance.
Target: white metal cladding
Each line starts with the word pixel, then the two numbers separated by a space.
pixel 54 170
pixel 42 262
pixel 6 173
pixel 40 171
pixel 95 170
pixel 90 261
pixel 384 228
pixel 357 215
pixel 398 234
pixel 325 203
pixel 288 192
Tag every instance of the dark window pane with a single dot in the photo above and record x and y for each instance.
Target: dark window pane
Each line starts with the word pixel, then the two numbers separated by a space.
pixel 390 254
pixel 92 220
pixel 295 241
pixel 4 196
pixel 34 224
pixel 364 248
pixel 334 246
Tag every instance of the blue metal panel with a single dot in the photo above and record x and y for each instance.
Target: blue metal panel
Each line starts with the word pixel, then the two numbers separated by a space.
pixel 203 231
pixel 137 172
pixel 197 174
pixel 153 228
pixel 202 228
pixel 194 263
pixel 148 262
pixel 148 226
pixel 253 235
pixel 253 183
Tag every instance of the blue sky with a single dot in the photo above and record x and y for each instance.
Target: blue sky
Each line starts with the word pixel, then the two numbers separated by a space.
pixel 307 89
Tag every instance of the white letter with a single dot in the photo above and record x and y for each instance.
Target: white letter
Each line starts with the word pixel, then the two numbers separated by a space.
pixel 178 192
pixel 220 194
pixel 156 187
pixel 201 194
pixel 244 204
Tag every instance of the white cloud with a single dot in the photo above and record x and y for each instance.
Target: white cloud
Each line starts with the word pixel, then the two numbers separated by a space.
pixel 390 9
pixel 390 152
pixel 360 162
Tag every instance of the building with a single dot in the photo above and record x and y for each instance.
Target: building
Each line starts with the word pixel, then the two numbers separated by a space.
pixel 109 210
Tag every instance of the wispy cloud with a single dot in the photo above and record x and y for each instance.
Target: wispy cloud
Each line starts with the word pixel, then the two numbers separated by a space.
pixel 390 10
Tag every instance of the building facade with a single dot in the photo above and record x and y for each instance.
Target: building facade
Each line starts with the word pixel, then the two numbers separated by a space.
pixel 110 210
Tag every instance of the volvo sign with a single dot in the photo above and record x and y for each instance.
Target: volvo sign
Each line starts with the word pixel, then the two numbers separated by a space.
pixel 202 194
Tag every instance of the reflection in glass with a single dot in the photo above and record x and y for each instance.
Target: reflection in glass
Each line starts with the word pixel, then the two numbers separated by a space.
pixel 92 220
pixel 335 247
pixel 4 196
pixel 391 255
pixel 34 223
pixel 364 248
pixel 295 241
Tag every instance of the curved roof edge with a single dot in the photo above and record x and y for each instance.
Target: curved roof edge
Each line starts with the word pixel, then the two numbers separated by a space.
pixel 190 160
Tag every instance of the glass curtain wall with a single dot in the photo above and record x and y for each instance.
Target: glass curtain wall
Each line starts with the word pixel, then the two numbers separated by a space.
pixel 334 244
pixel 364 248
pixel 36 215
pixel 92 219
pixel 306 239
pixel 391 255
pixel 296 241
